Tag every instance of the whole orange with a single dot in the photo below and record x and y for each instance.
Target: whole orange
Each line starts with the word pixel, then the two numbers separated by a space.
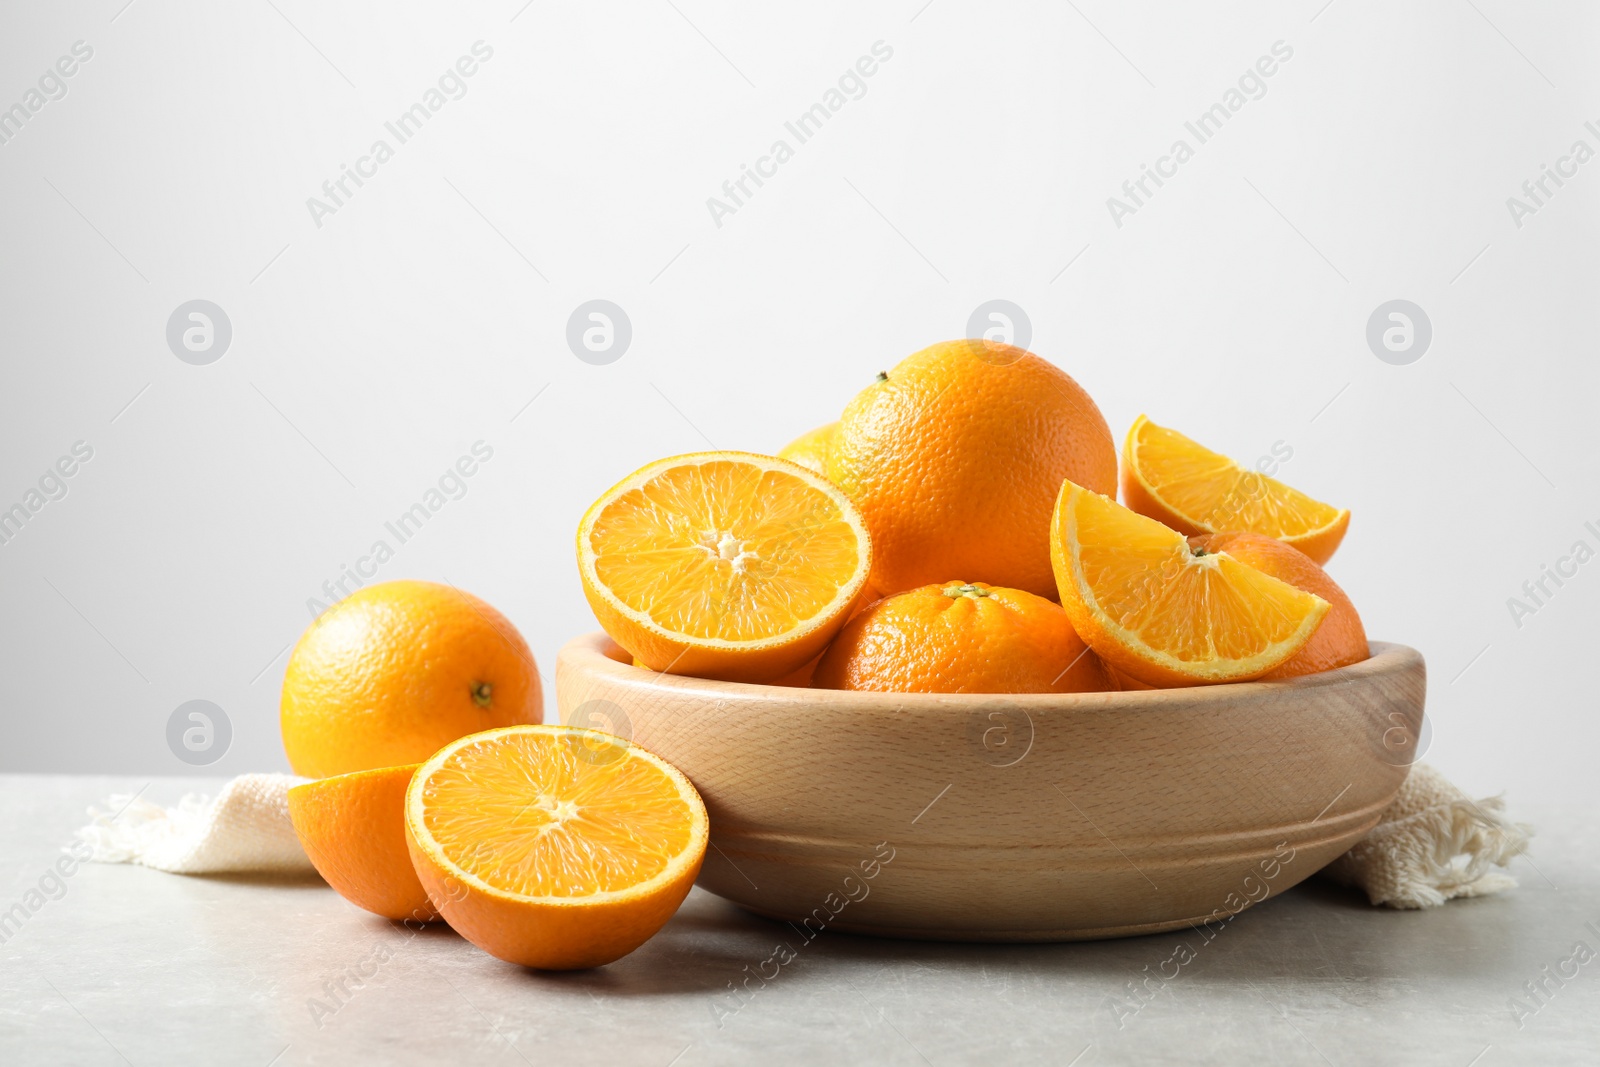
pixel 810 449
pixel 398 670
pixel 955 458
pixel 961 637
pixel 1341 639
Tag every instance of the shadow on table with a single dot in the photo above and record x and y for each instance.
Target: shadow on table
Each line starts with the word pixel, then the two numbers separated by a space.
pixel 705 947
pixel 275 880
pixel 1316 930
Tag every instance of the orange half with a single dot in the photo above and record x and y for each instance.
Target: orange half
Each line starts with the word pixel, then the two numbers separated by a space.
pixel 723 565
pixel 353 827
pixel 1194 490
pixel 554 847
pixel 1162 612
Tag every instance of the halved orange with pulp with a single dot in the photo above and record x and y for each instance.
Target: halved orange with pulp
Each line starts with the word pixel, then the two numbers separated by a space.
pixel 1194 490
pixel 723 565
pixel 551 846
pixel 1162 612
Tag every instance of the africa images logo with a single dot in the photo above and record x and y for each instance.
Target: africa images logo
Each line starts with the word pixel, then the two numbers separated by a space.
pixel 52 85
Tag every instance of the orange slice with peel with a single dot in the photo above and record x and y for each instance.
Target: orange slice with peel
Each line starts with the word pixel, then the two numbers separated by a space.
pixel 1162 612
pixel 353 826
pixel 551 846
pixel 1194 490
pixel 723 565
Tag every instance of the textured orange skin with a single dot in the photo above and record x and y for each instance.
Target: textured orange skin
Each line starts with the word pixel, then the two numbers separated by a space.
pixel 1137 496
pixel 955 461
pixel 385 678
pixel 353 827
pixel 1341 639
pixel 1127 670
pixel 810 449
pixel 550 935
pixel 656 652
pixel 799 678
pixel 1127 683
pixel 669 655
pixel 869 596
pixel 923 641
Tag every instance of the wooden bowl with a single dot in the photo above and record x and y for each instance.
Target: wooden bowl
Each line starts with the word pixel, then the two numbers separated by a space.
pixel 1016 817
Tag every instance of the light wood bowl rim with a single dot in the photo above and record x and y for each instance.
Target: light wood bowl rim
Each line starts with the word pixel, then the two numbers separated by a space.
pixel 588 652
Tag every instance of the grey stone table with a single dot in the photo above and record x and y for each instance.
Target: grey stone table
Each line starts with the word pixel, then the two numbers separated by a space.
pixel 115 964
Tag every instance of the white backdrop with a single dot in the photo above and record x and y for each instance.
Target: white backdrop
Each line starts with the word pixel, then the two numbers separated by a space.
pixel 377 338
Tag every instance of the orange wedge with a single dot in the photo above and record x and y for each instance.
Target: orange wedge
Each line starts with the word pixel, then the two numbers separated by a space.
pixel 1197 491
pixel 353 826
pixel 1166 614
pixel 723 565
pixel 554 847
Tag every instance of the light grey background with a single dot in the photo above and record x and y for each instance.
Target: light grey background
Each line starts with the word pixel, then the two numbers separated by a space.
pixel 430 310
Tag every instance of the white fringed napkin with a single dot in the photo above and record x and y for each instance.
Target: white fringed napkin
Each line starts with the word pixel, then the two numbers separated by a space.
pixel 246 828
pixel 1434 843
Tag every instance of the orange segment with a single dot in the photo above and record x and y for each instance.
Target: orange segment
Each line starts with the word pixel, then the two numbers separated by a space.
pixel 1341 639
pixel 353 826
pixel 1166 614
pixel 1196 491
pixel 723 564
pixel 554 847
